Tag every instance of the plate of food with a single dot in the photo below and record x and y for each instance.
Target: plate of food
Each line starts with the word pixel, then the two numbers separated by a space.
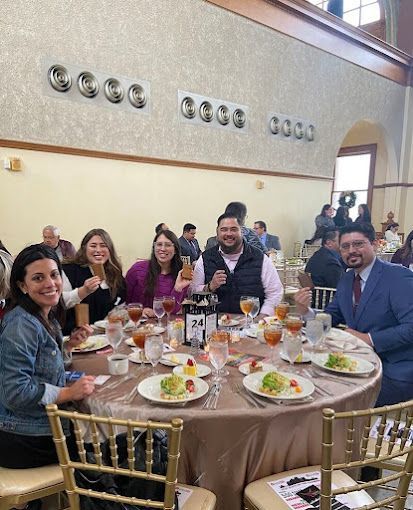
pixel 227 321
pixel 342 364
pixel 255 366
pixel 93 343
pixel 172 389
pixel 173 359
pixel 192 368
pixel 278 385
pixel 127 327
pixel 303 357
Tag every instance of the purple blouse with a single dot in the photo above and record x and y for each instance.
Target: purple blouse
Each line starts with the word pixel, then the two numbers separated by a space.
pixel 135 286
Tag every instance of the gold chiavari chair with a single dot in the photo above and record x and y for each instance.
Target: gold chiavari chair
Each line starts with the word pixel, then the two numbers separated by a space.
pixel 322 296
pixel 335 460
pixel 297 249
pixel 200 498
pixel 290 274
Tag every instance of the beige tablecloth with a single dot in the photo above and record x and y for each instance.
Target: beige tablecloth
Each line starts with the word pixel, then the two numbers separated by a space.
pixel 224 450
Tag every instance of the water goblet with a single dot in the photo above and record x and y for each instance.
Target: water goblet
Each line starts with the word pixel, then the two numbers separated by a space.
pixel 246 304
pixel 135 311
pixel 272 335
pixel 314 332
pixel 218 356
pixel 293 345
pixel 168 303
pixel 154 350
pixel 158 308
pixel 114 333
pixel 255 309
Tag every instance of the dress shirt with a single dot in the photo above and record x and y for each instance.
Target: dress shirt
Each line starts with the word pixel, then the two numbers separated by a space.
pixel 391 237
pixel 270 280
pixel 263 239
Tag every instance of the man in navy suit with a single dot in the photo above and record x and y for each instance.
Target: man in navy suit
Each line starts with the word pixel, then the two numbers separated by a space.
pixel 324 266
pixel 267 240
pixel 375 300
pixel 189 245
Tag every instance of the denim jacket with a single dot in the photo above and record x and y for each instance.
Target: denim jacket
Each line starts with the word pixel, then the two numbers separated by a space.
pixel 31 373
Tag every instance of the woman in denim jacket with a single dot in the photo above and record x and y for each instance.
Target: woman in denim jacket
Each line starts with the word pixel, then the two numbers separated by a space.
pixel 32 372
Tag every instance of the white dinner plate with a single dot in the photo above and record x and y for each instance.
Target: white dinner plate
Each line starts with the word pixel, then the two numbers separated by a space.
pixel 305 359
pixel 229 324
pixel 266 367
pixel 93 343
pixel 175 358
pixel 253 382
pixel 134 357
pixel 150 389
pixel 363 366
pixel 201 370
pixel 128 326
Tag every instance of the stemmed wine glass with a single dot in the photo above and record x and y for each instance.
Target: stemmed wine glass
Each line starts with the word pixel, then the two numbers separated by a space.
pixel 314 332
pixel 135 311
pixel 255 308
pixel 154 350
pixel 168 303
pixel 293 345
pixel 246 304
pixel 281 310
pixel 272 335
pixel 158 308
pixel 325 319
pixel 114 333
pixel 218 356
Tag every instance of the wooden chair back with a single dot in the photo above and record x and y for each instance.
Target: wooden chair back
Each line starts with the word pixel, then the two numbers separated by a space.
pixel 354 454
pixel 111 427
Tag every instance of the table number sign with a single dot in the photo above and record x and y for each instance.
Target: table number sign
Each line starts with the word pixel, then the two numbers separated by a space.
pixel 201 316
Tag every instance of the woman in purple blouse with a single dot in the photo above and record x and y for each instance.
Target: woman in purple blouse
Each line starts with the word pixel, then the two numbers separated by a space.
pixel 159 276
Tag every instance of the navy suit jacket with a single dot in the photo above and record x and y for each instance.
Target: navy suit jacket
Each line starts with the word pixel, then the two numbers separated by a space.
pixel 385 311
pixel 325 268
pixel 272 242
pixel 187 250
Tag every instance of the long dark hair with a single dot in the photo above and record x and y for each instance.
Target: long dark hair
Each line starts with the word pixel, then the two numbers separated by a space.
pixel 406 249
pixel 154 271
pixel 365 216
pixel 18 272
pixel 324 209
pixel 113 266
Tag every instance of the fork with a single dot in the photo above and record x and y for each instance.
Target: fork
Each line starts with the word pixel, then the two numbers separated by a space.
pixel 211 393
pixel 318 387
pixel 236 388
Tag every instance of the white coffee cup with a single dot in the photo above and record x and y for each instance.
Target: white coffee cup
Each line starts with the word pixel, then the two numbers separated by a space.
pixel 118 364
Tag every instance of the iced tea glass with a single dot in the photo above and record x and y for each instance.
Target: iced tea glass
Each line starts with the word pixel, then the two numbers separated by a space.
pixel 135 311
pixel 272 335
pixel 246 304
pixel 281 310
pixel 168 303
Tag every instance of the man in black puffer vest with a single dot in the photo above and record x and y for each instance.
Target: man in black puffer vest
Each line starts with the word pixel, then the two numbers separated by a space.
pixel 233 269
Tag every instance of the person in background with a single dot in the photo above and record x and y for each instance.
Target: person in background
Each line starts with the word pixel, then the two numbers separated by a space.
pixel 6 262
pixel 80 284
pixel 325 218
pixel 51 237
pixel 161 226
pixel 271 242
pixel 317 236
pixel 189 245
pixel 32 372
pixel 364 214
pixel 324 266
pixel 235 268
pixel 160 276
pixel 390 234
pixel 342 218
pixel 3 248
pixel 404 255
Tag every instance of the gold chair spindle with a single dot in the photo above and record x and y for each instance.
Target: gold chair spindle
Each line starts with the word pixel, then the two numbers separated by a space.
pixel 96 443
pixel 112 444
pixel 149 450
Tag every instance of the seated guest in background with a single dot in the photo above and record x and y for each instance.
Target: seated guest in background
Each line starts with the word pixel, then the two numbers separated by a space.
pixel 161 226
pixel 6 263
pixel 364 214
pixel 404 255
pixel 3 248
pixel 234 268
pixel 211 242
pixel 390 234
pixel 189 245
pixel 159 276
pixel 317 237
pixel 32 372
pixel 375 300
pixel 81 284
pixel 324 266
pixel 342 218
pixel 240 211
pixel 325 218
pixel 269 241
pixel 64 249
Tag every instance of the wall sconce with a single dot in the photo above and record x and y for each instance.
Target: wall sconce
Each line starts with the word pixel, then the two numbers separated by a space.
pixel 13 164
pixel 259 184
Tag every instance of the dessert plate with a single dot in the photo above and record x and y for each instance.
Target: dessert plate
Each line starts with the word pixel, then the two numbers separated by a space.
pixel 266 367
pixel 174 359
pixel 201 370
pixel 228 324
pixel 150 389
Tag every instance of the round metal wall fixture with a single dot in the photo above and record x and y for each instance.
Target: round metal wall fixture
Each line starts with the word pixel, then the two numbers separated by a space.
pixel 188 107
pixel 310 132
pixel 137 96
pixel 275 125
pixel 287 130
pixel 223 115
pixel 88 84
pixel 206 111
pixel 113 90
pixel 239 118
pixel 299 130
pixel 59 78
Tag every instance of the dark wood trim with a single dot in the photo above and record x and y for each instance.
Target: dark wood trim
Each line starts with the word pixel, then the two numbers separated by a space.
pixel 394 185
pixel 312 25
pixel 74 151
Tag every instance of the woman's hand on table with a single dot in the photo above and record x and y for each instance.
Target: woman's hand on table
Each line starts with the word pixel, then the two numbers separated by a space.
pixel 181 283
pixel 302 299
pixel 78 390
pixel 78 336
pixel 89 286
pixel 149 313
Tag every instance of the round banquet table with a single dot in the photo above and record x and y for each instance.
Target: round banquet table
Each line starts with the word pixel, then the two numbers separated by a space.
pixel 225 449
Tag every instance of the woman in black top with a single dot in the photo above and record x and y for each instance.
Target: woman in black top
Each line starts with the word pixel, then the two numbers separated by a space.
pixel 342 218
pixel 364 214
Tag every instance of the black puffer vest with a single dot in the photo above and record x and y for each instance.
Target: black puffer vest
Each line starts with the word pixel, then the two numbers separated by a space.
pixel 245 280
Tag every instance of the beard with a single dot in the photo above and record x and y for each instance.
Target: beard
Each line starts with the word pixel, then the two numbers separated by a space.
pixel 236 247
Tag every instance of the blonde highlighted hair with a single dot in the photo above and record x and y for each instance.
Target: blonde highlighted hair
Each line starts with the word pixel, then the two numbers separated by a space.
pixel 6 263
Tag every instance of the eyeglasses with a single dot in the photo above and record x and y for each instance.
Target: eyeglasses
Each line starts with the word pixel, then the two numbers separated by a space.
pixel 159 246
pixel 355 244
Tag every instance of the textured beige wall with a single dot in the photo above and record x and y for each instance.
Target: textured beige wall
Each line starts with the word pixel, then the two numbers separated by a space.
pixel 189 45
pixel 129 199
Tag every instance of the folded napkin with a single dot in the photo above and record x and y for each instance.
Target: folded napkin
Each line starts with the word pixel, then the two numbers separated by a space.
pixel 340 339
